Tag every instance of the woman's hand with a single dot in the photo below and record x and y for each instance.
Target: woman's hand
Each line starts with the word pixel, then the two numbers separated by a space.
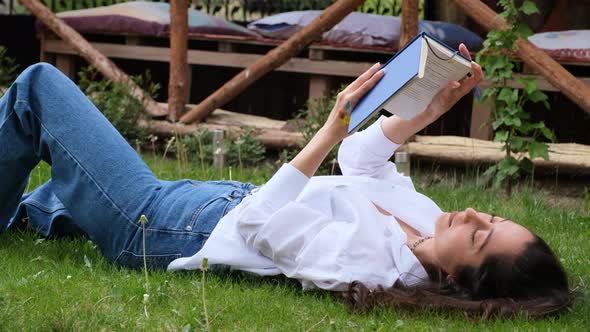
pixel 336 126
pixel 335 129
pixel 455 90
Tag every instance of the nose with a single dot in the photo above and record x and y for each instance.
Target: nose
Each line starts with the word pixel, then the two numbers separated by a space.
pixel 472 216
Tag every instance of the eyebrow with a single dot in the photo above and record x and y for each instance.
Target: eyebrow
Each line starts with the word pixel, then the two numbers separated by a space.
pixel 486 240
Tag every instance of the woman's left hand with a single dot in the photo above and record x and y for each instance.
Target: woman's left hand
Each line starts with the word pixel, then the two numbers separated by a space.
pixel 336 125
pixel 455 90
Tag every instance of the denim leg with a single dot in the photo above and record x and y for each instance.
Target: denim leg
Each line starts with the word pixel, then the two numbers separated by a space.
pixel 97 176
pixel 181 218
pixel 41 211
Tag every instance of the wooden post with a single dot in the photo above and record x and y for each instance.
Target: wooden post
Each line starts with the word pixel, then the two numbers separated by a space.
pixel 66 63
pixel 536 58
pixel 178 81
pixel 319 85
pixel 273 59
pixel 409 28
pixel 480 114
pixel 94 57
pixel 44 56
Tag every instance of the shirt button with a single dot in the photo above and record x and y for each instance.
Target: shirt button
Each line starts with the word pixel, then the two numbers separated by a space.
pixel 188 228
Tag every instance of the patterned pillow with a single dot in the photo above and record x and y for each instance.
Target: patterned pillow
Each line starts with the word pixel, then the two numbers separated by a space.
pixel 146 18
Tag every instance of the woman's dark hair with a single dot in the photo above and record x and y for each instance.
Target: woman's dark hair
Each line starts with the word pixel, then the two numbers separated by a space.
pixel 533 283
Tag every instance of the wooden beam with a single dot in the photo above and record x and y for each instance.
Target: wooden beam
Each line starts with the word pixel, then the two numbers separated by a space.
pixel 272 133
pixel 93 56
pixel 242 60
pixel 409 29
pixel 540 61
pixel 275 58
pixel 454 149
pixel 178 80
pixel 270 137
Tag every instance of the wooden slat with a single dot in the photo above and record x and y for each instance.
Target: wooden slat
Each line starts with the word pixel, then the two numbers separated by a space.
pixel 317 46
pixel 565 156
pixel 212 58
pixel 542 82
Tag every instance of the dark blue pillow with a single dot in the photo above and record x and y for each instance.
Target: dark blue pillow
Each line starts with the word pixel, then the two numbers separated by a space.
pixel 359 29
pixel 451 34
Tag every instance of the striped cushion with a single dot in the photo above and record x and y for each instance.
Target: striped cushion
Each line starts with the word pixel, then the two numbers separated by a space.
pixel 566 46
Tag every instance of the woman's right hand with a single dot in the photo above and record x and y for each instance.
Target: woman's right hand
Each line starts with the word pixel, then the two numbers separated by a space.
pixel 336 126
pixel 335 129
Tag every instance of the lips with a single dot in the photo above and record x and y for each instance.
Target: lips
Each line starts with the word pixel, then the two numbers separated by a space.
pixel 451 217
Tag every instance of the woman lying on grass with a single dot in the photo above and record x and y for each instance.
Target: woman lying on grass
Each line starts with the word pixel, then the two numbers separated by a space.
pixel 367 233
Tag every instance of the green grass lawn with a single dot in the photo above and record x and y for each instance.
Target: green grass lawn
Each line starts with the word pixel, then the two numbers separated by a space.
pixel 66 285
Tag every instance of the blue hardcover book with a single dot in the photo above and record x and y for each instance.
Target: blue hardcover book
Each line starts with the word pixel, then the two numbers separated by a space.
pixel 411 79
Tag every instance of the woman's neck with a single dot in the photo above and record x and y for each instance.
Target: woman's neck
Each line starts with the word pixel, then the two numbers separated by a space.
pixel 425 253
pixel 425 250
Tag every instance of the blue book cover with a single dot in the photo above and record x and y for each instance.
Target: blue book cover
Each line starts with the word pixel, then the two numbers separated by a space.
pixel 411 78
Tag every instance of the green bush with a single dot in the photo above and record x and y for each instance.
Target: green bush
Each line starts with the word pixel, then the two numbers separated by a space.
pixel 200 144
pixel 245 150
pixel 8 70
pixel 116 102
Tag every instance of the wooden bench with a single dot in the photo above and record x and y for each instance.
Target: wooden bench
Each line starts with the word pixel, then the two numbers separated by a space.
pixel 223 52
pixel 324 63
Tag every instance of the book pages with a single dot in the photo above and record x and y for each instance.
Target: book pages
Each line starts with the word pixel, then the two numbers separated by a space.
pixel 416 96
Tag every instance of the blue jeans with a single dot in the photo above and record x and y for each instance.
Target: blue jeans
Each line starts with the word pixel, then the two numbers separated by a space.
pixel 99 185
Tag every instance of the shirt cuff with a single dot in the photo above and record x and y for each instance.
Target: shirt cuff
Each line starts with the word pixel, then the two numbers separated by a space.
pixel 284 187
pixel 375 140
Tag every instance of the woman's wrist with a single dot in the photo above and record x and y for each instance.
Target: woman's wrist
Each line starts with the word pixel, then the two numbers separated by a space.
pixel 313 154
pixel 328 136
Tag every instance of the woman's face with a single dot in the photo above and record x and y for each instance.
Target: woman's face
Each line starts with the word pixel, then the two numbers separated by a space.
pixel 468 237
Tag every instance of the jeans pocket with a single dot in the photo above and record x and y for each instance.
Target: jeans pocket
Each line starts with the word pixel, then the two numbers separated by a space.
pixel 206 217
pixel 133 260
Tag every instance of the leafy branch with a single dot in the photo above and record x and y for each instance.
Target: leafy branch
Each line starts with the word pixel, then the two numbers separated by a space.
pixel 523 139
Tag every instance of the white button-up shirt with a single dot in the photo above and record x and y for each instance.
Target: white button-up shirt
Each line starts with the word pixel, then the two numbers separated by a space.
pixel 326 231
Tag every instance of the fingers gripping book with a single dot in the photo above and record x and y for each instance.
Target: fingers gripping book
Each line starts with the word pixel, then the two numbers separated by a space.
pixel 411 79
